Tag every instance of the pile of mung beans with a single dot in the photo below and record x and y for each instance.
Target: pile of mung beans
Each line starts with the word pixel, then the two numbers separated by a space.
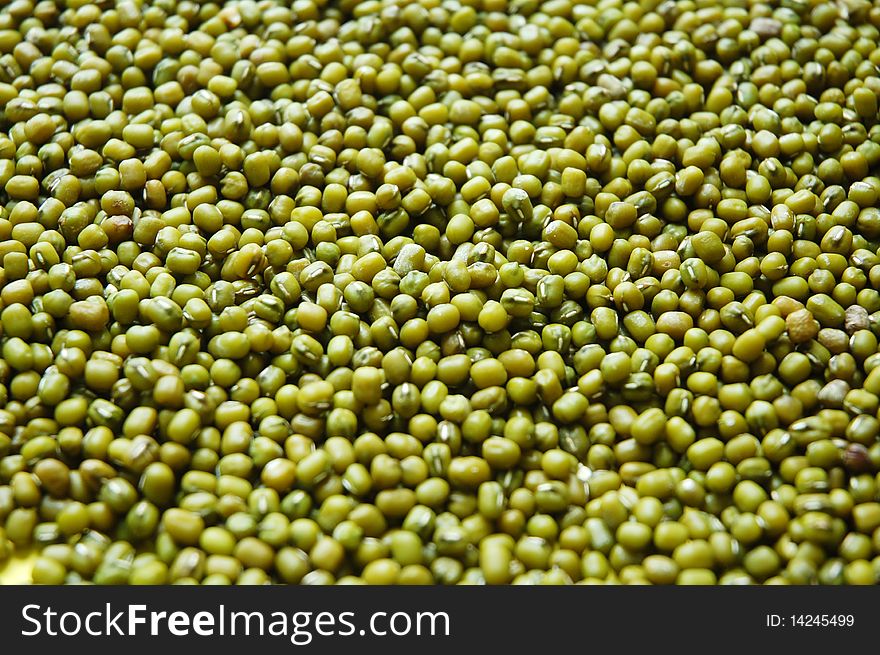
pixel 440 291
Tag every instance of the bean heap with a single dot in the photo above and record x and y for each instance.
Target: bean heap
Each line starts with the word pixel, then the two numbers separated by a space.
pixel 440 291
